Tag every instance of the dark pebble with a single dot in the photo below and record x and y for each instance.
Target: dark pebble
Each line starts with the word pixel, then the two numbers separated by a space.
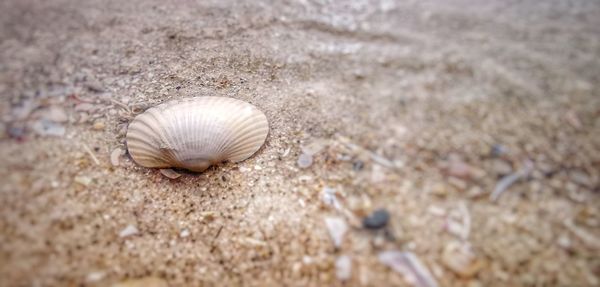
pixel 376 220
pixel 498 150
pixel 358 165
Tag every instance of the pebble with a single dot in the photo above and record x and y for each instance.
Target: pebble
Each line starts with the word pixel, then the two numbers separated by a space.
pixel 376 220
pixel 498 150
pixel 358 165
pixel 128 231
pixel 305 160
pixel 337 228
pixel 184 233
pixel 343 267
pixel 99 126
pixel 48 128
pixel 95 276
pixel 115 156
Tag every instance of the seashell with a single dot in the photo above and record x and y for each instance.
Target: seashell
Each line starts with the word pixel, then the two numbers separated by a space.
pixel 196 133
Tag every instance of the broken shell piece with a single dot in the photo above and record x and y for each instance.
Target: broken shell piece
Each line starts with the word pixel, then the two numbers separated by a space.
pixel 167 172
pixel 128 231
pixel 460 259
pixel 409 265
pixel 115 155
pixel 196 133
pixel 337 228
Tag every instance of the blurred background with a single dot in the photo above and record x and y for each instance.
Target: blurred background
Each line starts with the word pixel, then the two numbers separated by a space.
pixel 412 143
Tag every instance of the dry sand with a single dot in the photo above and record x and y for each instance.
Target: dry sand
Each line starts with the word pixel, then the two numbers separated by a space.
pixel 419 107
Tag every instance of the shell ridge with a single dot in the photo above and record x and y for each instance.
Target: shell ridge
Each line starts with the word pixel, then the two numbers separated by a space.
pixel 196 132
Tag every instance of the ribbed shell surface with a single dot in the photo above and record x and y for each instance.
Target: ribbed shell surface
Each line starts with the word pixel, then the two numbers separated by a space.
pixel 197 132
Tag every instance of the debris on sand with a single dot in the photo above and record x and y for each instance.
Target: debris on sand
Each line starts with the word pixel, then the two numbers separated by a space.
pixel 305 160
pixel 92 155
pixel 170 173
pixel 337 228
pixel 184 233
pixel 376 220
pixel 130 230
pixel 343 267
pixel 409 265
pixel 99 126
pixel 329 198
pixel 48 128
pixel 510 179
pixel 460 259
pixel 380 160
pixel 115 156
pixel 142 282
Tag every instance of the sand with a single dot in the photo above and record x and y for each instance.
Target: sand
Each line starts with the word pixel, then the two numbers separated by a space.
pixel 419 107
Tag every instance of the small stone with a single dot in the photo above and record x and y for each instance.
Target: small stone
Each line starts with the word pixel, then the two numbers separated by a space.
pixel 83 180
pixel 94 86
pixel 99 126
pixel 170 173
pixel 95 276
pixel 376 220
pixel 115 156
pixel 184 233
pixel 48 128
pixel 343 267
pixel 439 189
pixel 498 150
pixel 358 165
pixel 305 160
pixel 208 216
pixel 55 114
pixel 337 228
pixel 128 231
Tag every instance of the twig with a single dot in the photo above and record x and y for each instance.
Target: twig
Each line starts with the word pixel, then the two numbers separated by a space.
pixel 215 238
pixel 510 179
pixel 374 156
pixel 89 151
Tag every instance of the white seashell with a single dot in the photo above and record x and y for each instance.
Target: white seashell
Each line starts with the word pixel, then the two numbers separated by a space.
pixel 196 133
